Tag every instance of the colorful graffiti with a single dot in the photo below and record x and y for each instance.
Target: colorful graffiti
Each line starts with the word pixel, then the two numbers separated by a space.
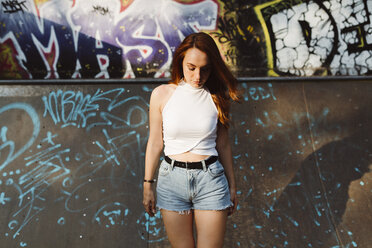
pixel 137 38
pixel 98 39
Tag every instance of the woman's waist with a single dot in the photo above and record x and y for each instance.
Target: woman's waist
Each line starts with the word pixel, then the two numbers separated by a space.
pixel 188 157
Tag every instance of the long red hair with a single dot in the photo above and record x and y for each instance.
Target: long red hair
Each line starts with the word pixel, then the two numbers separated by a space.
pixel 221 82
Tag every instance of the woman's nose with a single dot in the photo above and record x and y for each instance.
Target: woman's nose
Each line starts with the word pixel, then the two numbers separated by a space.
pixel 197 74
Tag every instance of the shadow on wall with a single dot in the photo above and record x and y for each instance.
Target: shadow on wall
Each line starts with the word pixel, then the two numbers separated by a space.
pixel 311 207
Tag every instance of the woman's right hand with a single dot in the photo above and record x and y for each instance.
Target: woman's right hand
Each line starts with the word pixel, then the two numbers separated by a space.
pixel 149 199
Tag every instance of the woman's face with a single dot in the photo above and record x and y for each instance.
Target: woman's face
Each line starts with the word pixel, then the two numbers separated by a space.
pixel 196 67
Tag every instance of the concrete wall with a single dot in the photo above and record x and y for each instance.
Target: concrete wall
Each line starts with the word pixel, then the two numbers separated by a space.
pixel 72 155
pixel 72 164
pixel 137 38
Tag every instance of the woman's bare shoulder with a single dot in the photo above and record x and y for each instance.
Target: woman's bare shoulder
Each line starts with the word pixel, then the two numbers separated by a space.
pixel 161 94
pixel 164 90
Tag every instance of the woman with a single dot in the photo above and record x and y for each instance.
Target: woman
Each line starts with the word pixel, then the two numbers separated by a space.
pixel 189 117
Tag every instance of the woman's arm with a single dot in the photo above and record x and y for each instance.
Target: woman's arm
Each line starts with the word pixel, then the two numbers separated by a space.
pixel 223 147
pixel 154 148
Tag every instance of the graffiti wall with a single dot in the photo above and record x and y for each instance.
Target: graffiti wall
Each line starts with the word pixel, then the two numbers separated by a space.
pixel 51 39
pixel 72 165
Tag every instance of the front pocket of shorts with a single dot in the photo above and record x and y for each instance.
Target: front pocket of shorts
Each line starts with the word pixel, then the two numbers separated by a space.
pixel 164 169
pixel 216 169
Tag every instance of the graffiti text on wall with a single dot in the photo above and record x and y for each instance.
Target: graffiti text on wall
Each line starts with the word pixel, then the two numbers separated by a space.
pixel 305 38
pixel 129 39
pixel 96 39
pixel 92 178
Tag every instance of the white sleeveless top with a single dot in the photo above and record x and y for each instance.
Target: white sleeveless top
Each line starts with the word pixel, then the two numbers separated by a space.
pixel 190 121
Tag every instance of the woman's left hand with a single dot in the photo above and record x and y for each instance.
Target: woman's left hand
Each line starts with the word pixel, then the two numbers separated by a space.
pixel 234 200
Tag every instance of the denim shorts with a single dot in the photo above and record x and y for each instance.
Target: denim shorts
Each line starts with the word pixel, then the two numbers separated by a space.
pixel 181 189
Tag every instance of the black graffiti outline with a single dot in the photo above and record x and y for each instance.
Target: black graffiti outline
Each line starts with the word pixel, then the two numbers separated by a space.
pixel 13 6
pixel 361 34
pixel 268 12
pixel 101 10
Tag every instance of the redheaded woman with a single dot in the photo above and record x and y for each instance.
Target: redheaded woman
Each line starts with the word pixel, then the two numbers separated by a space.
pixel 189 119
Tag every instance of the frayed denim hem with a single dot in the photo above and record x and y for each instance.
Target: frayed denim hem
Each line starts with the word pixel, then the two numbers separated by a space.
pixel 219 209
pixel 180 212
pixel 189 211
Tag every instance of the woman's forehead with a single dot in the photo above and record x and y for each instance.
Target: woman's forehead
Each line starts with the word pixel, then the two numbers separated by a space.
pixel 196 57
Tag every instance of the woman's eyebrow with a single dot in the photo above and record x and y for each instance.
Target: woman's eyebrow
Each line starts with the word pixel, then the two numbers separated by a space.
pixel 205 66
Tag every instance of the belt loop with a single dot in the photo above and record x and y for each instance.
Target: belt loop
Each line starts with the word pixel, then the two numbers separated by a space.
pixel 172 164
pixel 204 165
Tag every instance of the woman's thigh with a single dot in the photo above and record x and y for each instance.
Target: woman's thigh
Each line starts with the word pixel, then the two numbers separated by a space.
pixel 210 228
pixel 179 228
